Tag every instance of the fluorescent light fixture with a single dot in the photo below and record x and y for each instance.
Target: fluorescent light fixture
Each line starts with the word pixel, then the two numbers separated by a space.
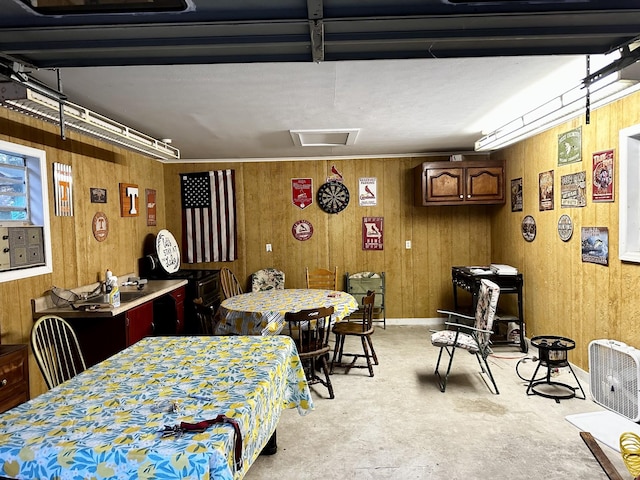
pixel 324 137
pixel 25 100
pixel 560 109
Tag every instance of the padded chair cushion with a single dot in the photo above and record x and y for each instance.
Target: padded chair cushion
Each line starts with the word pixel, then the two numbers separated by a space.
pixel 267 279
pixel 446 338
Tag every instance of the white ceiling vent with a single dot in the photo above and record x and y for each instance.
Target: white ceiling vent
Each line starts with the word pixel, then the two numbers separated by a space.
pixel 324 137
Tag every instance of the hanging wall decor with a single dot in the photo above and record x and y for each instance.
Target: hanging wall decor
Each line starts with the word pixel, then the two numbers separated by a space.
pixel 302 230
pixel 150 195
pixel 603 176
pixel 100 226
pixel 529 228
pixel 573 189
pixel 570 147
pixel 302 192
pixel 367 192
pixel 565 228
pixel 545 184
pixel 595 245
pixel 516 195
pixel 372 238
pixel 98 195
pixel 129 202
pixel 63 190
pixel 334 175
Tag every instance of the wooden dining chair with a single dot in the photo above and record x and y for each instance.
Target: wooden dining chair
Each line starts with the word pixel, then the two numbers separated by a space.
pixel 322 278
pixel 230 284
pixel 206 318
pixel 310 330
pixel 56 349
pixel 363 329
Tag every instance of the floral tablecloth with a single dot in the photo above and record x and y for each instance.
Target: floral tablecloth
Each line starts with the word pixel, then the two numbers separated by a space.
pixel 262 313
pixel 105 423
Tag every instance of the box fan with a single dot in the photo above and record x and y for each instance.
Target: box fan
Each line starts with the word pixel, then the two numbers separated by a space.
pixel 614 377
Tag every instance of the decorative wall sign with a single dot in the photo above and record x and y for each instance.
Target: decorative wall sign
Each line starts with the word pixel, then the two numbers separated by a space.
pixel 372 233
pixel 367 189
pixel 573 189
pixel 129 202
pixel 529 228
pixel 63 190
pixel 168 251
pixel 302 192
pixel 333 197
pixel 565 228
pixel 570 147
pixel 302 230
pixel 516 195
pixel 98 195
pixel 334 175
pixel 151 206
pixel 545 183
pixel 603 176
pixel 595 245
pixel 100 226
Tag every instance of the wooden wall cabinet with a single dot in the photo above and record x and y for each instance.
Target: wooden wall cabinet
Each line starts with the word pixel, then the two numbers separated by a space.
pixel 467 182
pixel 14 376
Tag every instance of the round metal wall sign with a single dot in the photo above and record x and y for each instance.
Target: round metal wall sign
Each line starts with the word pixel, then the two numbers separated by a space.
pixel 100 226
pixel 565 227
pixel 529 228
pixel 302 230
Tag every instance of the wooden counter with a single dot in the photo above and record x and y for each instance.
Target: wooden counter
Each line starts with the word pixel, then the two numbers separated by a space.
pixel 152 290
pixel 108 330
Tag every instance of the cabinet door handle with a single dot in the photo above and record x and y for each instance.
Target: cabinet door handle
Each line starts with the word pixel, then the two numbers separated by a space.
pixel 461 196
pixel 153 327
pixel 3 383
pixel 469 196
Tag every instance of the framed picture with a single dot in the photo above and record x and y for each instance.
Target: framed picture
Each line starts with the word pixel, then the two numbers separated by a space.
pixel 98 195
pixel 573 190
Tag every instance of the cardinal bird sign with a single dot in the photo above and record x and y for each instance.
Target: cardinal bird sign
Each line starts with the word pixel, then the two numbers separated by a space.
pixel 367 192
pixel 372 233
pixel 302 192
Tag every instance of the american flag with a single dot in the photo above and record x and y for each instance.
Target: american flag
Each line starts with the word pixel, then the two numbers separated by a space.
pixel 209 216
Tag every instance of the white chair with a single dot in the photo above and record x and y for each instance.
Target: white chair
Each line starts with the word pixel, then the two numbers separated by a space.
pixel 56 349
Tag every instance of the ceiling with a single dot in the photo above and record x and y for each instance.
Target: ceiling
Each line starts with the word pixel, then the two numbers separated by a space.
pixel 228 79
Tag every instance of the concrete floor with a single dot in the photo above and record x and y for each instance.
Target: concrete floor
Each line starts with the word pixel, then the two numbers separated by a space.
pixel 398 425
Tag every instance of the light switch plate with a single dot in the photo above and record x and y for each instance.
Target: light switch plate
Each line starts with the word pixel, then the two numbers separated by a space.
pixel 407 244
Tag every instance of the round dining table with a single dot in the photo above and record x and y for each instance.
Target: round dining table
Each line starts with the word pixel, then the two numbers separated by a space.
pixel 262 313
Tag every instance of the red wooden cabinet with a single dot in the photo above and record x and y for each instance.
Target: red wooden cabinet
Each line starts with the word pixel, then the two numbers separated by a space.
pixel 139 323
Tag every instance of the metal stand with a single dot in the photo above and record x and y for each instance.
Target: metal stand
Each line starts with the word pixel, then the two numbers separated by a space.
pixel 552 351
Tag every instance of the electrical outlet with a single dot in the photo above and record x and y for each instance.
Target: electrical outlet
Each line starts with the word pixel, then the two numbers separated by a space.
pixel 407 244
pixel 268 247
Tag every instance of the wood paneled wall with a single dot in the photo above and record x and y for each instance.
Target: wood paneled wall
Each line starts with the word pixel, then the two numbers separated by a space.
pixel 564 296
pixel 418 280
pixel 79 259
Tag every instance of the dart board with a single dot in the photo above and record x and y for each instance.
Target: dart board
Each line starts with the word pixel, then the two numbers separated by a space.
pixel 333 197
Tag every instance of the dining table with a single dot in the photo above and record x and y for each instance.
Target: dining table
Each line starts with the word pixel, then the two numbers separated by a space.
pixel 166 407
pixel 262 313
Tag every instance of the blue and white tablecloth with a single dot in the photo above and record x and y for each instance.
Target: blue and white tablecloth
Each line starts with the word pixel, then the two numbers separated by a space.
pixel 105 423
pixel 262 313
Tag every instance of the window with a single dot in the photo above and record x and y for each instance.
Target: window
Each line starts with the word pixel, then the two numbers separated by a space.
pixel 24 200
pixel 13 188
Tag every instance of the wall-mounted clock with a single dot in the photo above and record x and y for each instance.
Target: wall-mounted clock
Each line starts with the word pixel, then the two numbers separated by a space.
pixel 333 197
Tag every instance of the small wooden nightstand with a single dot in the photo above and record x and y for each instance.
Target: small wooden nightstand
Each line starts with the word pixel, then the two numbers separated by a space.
pixel 14 376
